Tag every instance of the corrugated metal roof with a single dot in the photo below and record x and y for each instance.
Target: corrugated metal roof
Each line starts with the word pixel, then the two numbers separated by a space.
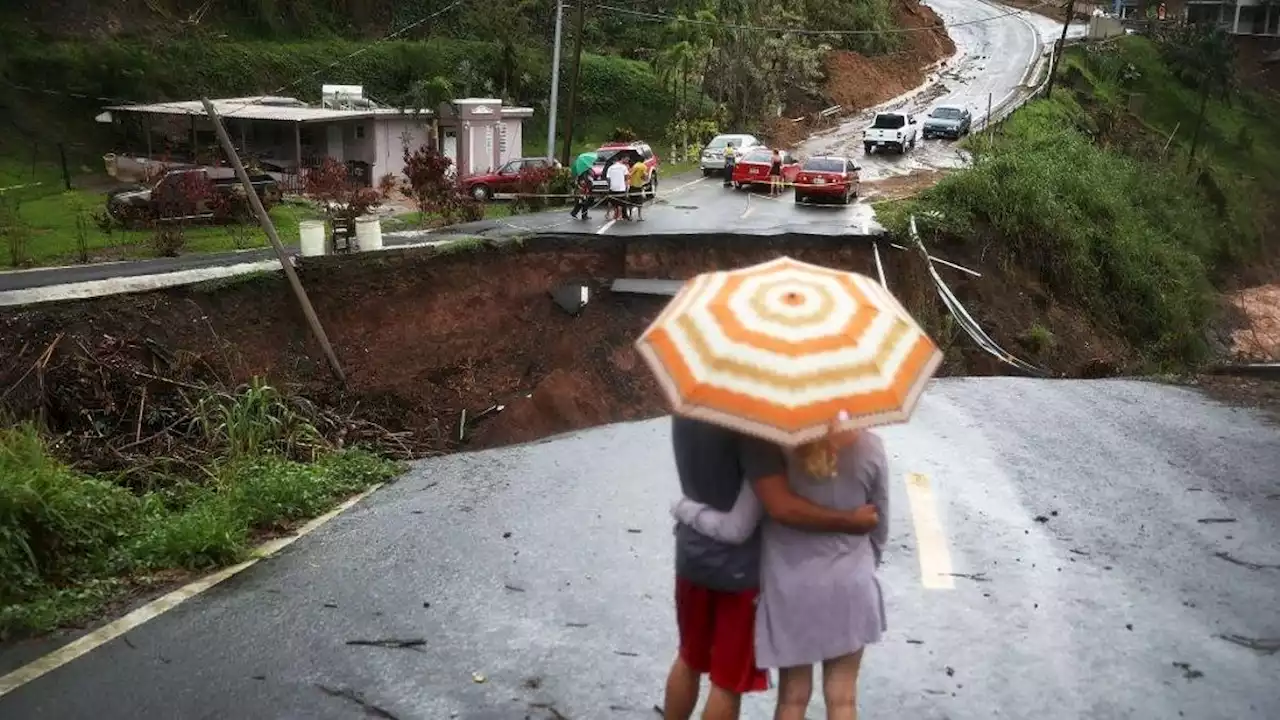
pixel 256 108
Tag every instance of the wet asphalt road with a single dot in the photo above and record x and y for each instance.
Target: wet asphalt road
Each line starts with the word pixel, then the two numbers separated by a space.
pixel 1092 587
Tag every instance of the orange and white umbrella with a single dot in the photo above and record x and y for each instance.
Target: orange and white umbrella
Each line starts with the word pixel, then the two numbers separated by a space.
pixel 777 350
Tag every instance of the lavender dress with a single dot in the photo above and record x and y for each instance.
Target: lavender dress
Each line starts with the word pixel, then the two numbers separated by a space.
pixel 819 596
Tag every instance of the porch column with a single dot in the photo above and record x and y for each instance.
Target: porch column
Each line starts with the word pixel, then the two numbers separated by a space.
pixel 244 146
pixel 297 146
pixel 195 153
pixel 146 122
pixel 495 131
pixel 1235 25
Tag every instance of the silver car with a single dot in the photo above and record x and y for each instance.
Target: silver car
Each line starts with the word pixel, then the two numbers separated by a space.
pixel 712 160
pixel 947 121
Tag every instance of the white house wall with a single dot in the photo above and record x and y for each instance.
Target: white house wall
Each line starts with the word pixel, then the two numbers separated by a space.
pixel 392 137
pixel 515 141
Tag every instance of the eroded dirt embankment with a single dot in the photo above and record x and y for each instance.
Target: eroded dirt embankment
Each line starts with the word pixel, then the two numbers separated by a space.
pixel 424 335
pixel 856 81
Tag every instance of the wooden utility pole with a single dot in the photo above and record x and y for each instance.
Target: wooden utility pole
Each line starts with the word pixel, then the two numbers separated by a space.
pixel 565 158
pixel 1062 44
pixel 270 229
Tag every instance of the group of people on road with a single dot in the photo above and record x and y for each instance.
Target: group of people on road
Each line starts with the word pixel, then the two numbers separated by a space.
pixel 627 174
pixel 776 555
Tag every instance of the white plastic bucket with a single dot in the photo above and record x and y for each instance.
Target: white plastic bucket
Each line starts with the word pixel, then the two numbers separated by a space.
pixel 311 237
pixel 368 233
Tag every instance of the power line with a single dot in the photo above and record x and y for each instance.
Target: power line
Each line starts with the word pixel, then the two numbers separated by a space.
pixel 185 108
pixel 663 18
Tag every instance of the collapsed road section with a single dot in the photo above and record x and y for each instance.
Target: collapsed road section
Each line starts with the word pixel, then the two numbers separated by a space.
pixel 473 344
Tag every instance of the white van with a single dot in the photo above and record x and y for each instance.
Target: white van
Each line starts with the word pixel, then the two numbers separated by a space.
pixel 713 154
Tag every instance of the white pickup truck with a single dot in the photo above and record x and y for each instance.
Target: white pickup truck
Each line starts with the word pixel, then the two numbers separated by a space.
pixel 891 130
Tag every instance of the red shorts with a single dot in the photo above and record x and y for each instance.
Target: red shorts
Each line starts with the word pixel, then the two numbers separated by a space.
pixel 718 636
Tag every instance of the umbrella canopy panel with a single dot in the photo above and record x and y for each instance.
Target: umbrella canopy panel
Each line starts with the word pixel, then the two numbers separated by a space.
pixel 778 349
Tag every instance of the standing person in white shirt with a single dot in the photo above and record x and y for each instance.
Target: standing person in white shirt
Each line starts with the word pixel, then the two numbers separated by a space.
pixel 618 174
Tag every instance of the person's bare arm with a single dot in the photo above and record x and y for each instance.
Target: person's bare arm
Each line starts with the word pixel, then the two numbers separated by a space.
pixel 788 508
pixel 765 468
pixel 879 497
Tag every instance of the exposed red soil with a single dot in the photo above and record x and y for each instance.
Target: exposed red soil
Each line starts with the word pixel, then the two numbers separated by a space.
pixel 1252 67
pixel 424 335
pixel 856 81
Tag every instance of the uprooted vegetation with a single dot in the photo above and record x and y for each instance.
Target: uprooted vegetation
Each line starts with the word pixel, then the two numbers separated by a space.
pixel 134 510
pixel 1091 202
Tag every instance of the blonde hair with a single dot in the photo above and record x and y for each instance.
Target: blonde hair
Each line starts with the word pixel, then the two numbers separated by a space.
pixel 818 458
pixel 821 458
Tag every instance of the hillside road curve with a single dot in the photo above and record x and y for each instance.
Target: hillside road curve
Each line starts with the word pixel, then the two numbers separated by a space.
pixel 997 51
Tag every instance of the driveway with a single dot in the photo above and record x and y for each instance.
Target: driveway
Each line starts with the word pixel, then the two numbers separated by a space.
pixel 1098 560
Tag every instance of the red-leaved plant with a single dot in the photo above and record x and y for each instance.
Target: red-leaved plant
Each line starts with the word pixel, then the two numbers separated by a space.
pixel 339 196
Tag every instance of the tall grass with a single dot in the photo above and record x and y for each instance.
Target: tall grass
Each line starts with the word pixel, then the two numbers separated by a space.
pixel 1071 189
pixel 69 541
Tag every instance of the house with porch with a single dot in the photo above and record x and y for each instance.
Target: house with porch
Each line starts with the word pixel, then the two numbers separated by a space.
pixel 286 135
pixel 1237 17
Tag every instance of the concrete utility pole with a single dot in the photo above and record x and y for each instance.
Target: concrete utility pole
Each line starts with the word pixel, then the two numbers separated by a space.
pixel 270 228
pixel 573 87
pixel 555 83
pixel 1062 45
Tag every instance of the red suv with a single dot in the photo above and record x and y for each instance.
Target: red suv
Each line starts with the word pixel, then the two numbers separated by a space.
pixel 484 186
pixel 606 152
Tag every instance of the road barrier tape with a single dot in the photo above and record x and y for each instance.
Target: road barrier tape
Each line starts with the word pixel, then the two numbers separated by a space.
pixel 965 320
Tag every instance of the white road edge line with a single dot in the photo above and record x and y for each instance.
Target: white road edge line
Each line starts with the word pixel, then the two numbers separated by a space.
pixel 931 540
pixel 161 605
pixel 128 284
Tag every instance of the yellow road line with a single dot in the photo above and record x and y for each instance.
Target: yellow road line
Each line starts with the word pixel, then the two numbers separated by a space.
pixel 159 606
pixel 931 540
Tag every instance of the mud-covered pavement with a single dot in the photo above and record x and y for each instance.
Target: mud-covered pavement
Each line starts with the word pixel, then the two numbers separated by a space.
pixel 1100 562
pixel 998 49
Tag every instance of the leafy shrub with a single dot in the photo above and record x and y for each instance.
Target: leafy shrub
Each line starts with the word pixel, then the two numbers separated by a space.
pixel 55 524
pixel 532 185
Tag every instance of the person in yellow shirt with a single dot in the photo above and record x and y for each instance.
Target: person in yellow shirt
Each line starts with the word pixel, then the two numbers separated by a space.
pixel 730 157
pixel 639 175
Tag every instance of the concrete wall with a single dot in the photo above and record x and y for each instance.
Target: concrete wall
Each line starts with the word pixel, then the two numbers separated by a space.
pixel 392 136
pixel 514 141
pixel 1104 27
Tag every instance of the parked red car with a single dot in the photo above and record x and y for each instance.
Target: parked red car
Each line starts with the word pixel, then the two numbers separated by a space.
pixel 599 183
pixel 753 168
pixel 827 177
pixel 484 186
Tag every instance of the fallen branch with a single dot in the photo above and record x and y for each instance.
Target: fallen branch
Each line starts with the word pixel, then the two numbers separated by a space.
pixel 1245 563
pixel 1266 646
pixel 39 363
pixel 355 697
pixel 391 643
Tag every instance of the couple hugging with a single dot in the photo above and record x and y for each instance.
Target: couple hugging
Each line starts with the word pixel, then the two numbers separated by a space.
pixel 800 591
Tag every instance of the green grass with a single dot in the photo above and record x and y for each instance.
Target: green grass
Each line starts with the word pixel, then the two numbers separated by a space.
pixel 55 219
pixel 1073 189
pixel 409 221
pixel 70 542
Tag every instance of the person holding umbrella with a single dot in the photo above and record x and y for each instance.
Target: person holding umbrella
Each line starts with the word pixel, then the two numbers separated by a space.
pixel 582 175
pixel 805 357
